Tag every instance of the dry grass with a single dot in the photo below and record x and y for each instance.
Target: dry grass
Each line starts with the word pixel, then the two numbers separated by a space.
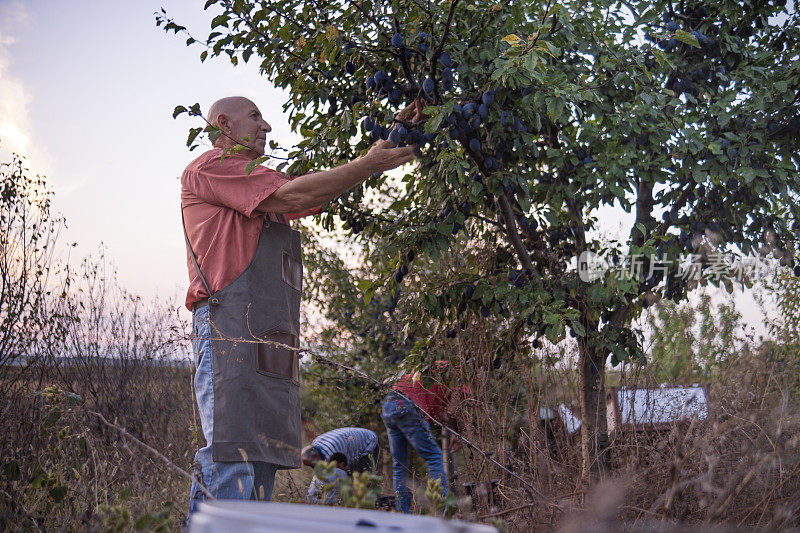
pixel 739 469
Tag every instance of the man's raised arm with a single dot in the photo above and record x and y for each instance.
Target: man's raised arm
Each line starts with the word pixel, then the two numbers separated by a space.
pixel 317 188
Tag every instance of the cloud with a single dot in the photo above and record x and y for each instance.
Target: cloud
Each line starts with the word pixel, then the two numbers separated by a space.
pixel 15 125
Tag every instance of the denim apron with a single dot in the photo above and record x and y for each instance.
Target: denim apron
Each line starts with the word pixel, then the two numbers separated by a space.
pixel 256 382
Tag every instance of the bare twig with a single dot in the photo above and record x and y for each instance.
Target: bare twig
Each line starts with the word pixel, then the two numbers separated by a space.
pixel 155 452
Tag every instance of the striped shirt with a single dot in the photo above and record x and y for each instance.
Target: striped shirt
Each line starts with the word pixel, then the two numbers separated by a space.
pixel 352 442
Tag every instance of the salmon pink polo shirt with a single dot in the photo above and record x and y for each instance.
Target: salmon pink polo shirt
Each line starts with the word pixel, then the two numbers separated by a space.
pixel 218 200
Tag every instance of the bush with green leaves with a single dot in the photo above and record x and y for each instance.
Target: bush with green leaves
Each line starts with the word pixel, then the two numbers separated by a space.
pixel 360 490
pixel 690 342
pixel 540 116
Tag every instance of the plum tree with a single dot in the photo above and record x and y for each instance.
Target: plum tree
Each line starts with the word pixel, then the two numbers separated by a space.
pixel 538 115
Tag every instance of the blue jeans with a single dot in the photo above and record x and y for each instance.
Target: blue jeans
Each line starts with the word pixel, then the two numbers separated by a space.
pixel 406 425
pixel 225 480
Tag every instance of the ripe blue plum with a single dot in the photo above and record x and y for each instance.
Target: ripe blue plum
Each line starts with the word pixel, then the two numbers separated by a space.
pixel 428 86
pixel 414 137
pixel 447 78
pixel 469 290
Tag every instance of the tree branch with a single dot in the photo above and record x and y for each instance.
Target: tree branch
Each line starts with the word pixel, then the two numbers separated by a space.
pixel 440 46
pixel 516 241
pixel 403 61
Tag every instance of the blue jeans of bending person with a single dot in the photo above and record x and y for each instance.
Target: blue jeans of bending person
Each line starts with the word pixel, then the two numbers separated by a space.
pixel 406 425
pixel 224 480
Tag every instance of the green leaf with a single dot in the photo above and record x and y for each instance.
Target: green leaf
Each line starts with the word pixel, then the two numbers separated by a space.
pixel 531 62
pixel 58 493
pixel 193 133
pixel 364 284
pixel 686 37
pixel 51 417
pixel 219 20
pixel 512 39
pixel 444 228
pixel 554 108
pixel 255 162
pixel 619 352
pixel 369 294
pixel 580 331
pixel 178 110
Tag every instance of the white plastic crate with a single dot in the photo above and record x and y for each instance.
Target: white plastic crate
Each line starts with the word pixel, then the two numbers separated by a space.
pixel 262 517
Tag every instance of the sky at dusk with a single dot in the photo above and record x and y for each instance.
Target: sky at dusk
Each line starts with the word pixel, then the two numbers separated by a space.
pixel 87 90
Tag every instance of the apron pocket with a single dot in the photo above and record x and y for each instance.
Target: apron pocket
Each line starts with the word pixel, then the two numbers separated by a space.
pixel 292 272
pixel 274 360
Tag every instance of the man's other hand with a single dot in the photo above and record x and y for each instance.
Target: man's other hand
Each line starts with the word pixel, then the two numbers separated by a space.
pixel 385 156
pixel 413 112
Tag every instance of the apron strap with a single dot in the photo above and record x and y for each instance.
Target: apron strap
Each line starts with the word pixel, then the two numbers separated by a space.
pixel 191 254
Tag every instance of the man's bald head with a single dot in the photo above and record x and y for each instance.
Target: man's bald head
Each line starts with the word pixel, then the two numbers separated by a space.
pixel 226 106
pixel 240 122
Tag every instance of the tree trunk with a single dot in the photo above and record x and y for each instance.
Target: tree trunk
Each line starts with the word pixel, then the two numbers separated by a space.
pixel 594 429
